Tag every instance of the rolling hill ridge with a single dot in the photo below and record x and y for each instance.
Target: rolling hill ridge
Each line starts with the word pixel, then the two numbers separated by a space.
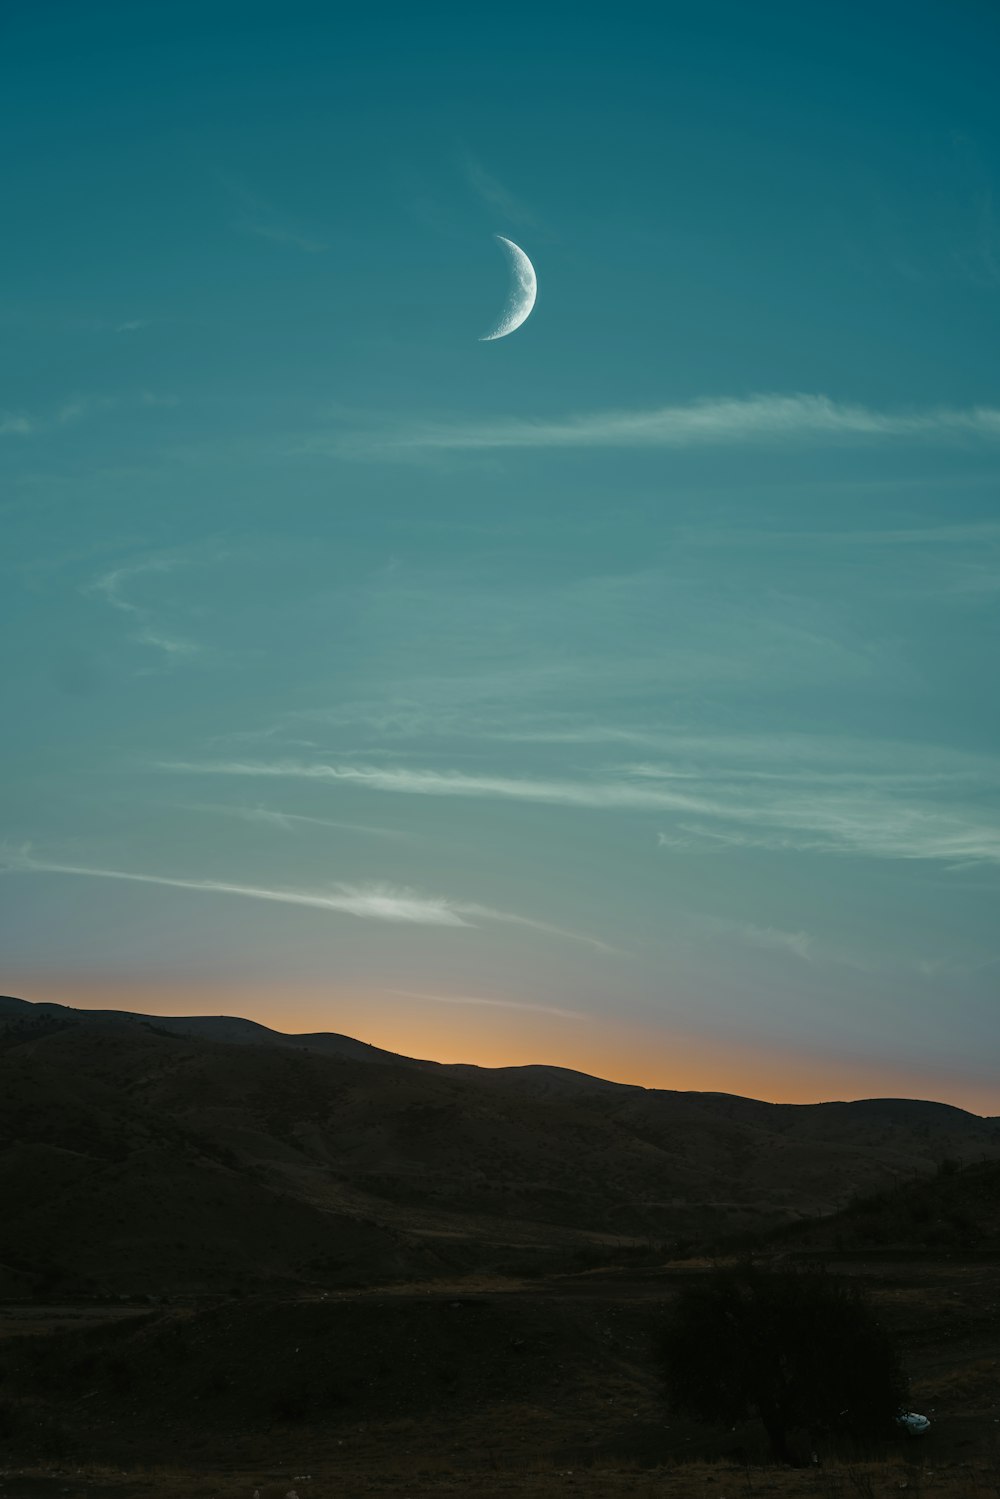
pixel 153 1156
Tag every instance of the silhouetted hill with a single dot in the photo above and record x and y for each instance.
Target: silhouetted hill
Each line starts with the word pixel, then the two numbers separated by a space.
pixel 231 1029
pixel 139 1154
pixel 956 1209
pixel 536 1081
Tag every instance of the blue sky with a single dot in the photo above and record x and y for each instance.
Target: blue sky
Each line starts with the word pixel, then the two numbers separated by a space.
pixel 617 691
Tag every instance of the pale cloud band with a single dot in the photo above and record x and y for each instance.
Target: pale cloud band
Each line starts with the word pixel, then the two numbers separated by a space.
pixel 449 783
pixel 378 902
pixel 374 901
pixel 287 822
pixel 709 422
pixel 865 819
pixel 498 1004
pixel 799 944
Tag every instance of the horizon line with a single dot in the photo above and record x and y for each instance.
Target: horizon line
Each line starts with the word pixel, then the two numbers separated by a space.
pixel 513 1067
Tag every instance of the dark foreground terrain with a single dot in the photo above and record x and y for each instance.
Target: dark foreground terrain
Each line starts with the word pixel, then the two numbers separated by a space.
pixel 472 1388
pixel 233 1261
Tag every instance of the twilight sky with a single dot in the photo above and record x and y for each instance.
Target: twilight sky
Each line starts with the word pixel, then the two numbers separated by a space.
pixel 620 693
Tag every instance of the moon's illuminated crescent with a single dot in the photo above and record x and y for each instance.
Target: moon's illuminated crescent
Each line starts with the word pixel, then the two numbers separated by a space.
pixel 522 293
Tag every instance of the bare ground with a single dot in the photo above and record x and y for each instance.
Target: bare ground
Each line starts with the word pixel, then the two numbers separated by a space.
pixel 487 1387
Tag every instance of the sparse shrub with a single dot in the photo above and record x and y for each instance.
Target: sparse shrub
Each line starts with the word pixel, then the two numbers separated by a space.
pixel 799 1350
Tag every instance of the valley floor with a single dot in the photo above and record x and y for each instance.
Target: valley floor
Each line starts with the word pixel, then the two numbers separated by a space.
pixel 461 1390
pixel 690 1481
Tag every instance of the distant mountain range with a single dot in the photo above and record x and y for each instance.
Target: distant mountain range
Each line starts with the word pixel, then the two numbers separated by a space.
pixel 150 1155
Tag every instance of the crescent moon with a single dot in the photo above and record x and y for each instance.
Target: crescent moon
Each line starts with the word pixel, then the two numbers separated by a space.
pixel 522 293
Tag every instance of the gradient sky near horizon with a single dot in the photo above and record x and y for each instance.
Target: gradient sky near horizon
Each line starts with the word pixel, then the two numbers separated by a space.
pixel 620 693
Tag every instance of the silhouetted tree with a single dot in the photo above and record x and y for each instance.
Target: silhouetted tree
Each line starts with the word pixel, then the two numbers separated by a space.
pixel 802 1351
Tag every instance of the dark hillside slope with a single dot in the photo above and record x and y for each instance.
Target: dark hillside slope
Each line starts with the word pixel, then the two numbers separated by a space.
pixel 21 1015
pixel 139 1158
pixel 753 1152
pixel 956 1210
pixel 102 1192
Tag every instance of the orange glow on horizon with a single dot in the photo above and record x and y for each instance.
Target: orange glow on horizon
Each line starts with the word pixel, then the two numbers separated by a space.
pixel 625 1051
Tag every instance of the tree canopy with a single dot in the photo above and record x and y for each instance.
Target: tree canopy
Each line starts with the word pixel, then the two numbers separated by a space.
pixel 800 1350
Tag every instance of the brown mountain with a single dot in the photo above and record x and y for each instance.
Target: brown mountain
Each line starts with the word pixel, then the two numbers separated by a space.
pixel 151 1155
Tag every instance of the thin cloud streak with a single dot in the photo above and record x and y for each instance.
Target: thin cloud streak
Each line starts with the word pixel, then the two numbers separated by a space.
pixel 288 821
pixel 704 423
pixel 975 533
pixel 783 757
pixel 109 587
pixel 378 902
pixel 447 783
pixel 494 194
pixel 814 816
pixel 799 944
pixel 15 424
pixel 170 644
pixel 263 220
pixel 500 1004
pixel 546 928
pixel 78 408
pixel 375 901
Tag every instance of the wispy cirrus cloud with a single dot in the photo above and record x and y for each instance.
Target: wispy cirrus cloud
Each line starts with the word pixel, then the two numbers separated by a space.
pixel 260 218
pixel 494 194
pixel 919 816
pixel 546 928
pixel 774 939
pixel 74 409
pixel 16 424
pixel 78 408
pixel 114 588
pixel 956 563
pixel 796 944
pixel 379 902
pixel 109 585
pixel 766 419
pixel 420 782
pixel 288 821
pixel 373 900
pixel 971 533
pixel 498 1004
